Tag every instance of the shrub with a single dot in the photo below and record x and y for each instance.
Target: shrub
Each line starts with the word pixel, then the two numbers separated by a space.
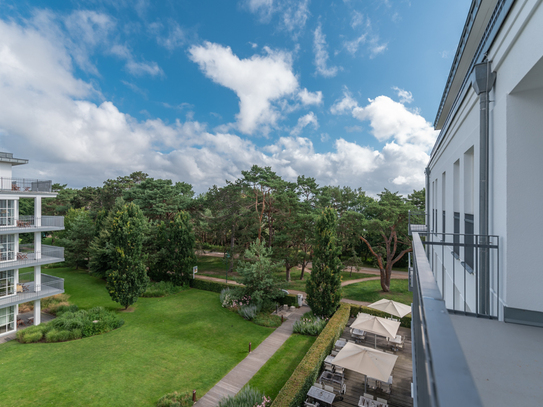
pixel 290 300
pixel 355 309
pixel 175 399
pixel 247 397
pixel 161 289
pixel 31 334
pixel 58 336
pixel 295 389
pixel 267 320
pixel 208 285
pixel 309 326
pixel 248 311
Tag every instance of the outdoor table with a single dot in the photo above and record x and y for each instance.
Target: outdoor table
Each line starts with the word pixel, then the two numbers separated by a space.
pixel 332 377
pixel 367 402
pixel 340 343
pixel 395 342
pixel 357 333
pixel 321 395
pixel 329 359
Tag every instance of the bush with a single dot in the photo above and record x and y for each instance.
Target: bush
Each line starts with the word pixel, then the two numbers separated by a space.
pixel 290 300
pixel 310 325
pixel 247 397
pixel 355 309
pixel 295 389
pixel 208 285
pixel 267 320
pixel 175 399
pixel 161 289
pixel 248 311
pixel 71 325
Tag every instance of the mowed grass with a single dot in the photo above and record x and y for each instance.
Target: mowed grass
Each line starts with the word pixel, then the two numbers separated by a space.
pixel 371 291
pixel 178 343
pixel 274 374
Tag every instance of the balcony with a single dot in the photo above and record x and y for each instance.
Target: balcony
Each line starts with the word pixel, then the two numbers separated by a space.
pixel 31 291
pixel 417 222
pixel 30 224
pixel 21 186
pixel 27 257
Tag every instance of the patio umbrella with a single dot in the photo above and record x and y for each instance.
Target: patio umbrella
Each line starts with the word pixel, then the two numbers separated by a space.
pixel 391 307
pixel 377 326
pixel 367 361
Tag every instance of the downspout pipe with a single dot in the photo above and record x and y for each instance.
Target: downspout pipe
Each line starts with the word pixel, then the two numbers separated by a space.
pixel 483 80
pixel 427 202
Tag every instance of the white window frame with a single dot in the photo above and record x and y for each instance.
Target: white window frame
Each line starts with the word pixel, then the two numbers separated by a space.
pixel 8 248
pixel 8 283
pixel 7 212
pixel 7 318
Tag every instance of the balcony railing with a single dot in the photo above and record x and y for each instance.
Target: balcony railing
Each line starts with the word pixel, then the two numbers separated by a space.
pixel 417 222
pixel 25 185
pixel 28 290
pixel 27 256
pixel 441 376
pixel 28 223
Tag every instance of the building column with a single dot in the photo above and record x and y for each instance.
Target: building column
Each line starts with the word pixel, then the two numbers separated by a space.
pixel 37 312
pixel 37 278
pixel 37 210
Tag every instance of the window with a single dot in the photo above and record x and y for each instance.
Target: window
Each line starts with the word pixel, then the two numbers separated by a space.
pixel 443 222
pixel 7 247
pixel 469 240
pixel 7 283
pixel 7 319
pixel 456 237
pixel 7 212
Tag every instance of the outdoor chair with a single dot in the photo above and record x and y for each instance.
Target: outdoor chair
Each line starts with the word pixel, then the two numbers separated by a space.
pixel 329 388
pixel 339 370
pixel 317 384
pixel 368 396
pixel 372 383
pixel 334 352
pixel 20 322
pixel 382 401
pixel 328 367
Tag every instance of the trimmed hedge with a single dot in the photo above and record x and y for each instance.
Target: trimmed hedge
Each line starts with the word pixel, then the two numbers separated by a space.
pixel 294 392
pixel 355 309
pixel 217 287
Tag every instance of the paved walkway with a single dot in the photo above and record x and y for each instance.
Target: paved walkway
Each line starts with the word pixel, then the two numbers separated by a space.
pixel 238 377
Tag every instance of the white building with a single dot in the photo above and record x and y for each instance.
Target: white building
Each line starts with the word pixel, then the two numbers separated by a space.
pixel 17 287
pixel 484 196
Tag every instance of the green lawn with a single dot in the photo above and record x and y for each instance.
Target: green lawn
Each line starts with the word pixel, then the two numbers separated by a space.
pixel 274 374
pixel 178 343
pixel 371 291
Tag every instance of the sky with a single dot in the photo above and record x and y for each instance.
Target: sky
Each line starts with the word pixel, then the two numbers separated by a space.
pixel 343 91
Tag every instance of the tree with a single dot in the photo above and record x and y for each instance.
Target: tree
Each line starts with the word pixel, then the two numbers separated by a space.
pixel 77 237
pixel 418 199
pixel 176 257
pixel 257 274
pixel 324 284
pixel 387 217
pixel 126 278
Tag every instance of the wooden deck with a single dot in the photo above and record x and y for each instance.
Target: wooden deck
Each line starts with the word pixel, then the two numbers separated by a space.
pixel 400 395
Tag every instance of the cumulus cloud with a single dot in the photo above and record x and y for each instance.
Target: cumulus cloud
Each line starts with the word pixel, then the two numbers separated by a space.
pixel 344 105
pixel 321 54
pixel 310 98
pixel 174 37
pixel 258 81
pixel 57 121
pixel 404 95
pixel 305 121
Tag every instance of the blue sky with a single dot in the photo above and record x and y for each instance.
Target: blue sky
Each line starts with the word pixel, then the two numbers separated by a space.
pixel 343 91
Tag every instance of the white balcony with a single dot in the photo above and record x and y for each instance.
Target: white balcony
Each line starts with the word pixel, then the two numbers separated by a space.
pixel 28 290
pixel 27 257
pixel 24 186
pixel 31 224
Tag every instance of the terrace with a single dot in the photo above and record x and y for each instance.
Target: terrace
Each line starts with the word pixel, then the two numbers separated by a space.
pixel 28 257
pixel 32 224
pixel 29 186
pixel 30 291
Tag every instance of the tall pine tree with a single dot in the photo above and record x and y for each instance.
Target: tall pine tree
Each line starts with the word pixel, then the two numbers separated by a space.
pixel 324 284
pixel 127 278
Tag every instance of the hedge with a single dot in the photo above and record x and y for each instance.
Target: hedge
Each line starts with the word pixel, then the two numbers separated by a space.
pixel 355 309
pixel 217 287
pixel 294 392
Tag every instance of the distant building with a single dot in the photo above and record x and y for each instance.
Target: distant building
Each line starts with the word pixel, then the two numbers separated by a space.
pixel 17 287
pixel 478 273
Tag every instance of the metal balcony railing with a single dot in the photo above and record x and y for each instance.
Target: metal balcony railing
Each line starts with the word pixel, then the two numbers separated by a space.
pixel 30 185
pixel 28 223
pixel 28 290
pixel 417 222
pixel 27 256
pixel 441 376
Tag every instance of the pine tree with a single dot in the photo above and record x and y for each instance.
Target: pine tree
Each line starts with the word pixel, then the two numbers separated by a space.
pixel 127 278
pixel 324 284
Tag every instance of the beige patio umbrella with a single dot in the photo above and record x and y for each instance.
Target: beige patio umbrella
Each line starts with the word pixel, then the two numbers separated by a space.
pixel 367 361
pixel 391 307
pixel 377 326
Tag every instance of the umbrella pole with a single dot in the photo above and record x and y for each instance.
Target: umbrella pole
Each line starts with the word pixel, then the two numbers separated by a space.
pixel 375 336
pixel 366 384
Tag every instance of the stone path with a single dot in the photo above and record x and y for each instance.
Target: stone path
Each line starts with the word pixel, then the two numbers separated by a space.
pixel 232 383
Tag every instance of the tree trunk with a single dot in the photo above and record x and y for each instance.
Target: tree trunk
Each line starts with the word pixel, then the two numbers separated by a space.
pixel 231 268
pixel 288 267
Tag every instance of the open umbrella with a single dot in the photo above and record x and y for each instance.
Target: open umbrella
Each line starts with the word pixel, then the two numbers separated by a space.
pixel 391 307
pixel 377 326
pixel 367 361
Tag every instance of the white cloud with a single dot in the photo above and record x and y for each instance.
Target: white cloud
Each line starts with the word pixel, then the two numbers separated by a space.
pixel 305 121
pixel 353 129
pixel 345 105
pixel 258 81
pixel 50 117
pixel 357 19
pixel 310 98
pixel 176 36
pixel 377 47
pixel 321 54
pixel 142 68
pixel 404 95
pixel 352 46
pixel 293 14
pixel 264 8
